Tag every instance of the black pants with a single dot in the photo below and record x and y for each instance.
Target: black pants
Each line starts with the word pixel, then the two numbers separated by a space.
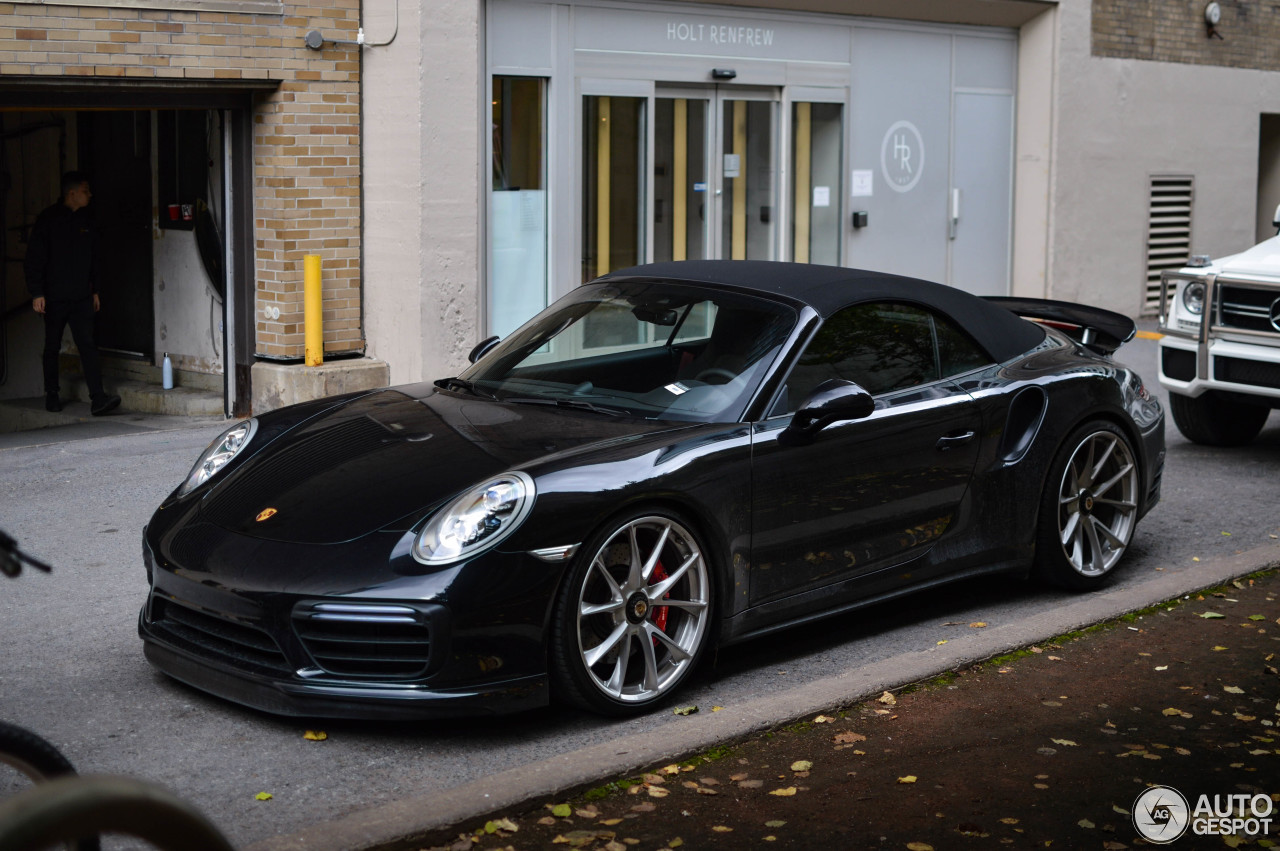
pixel 79 315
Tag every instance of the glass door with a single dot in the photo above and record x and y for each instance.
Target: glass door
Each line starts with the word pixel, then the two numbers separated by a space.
pixel 698 181
pixel 748 179
pixel 816 212
pixel 614 183
pixel 682 148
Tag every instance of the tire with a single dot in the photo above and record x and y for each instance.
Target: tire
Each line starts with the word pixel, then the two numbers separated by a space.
pixel 614 650
pixel 1214 420
pixel 1089 508
pixel 31 755
pixel 39 761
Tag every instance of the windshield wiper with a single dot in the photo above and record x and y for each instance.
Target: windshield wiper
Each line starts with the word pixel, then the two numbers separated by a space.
pixel 463 384
pixel 580 404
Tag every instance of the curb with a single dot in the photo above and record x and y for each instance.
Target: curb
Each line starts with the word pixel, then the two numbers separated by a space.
pixel 398 824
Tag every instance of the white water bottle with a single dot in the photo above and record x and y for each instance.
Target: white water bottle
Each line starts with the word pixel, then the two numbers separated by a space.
pixel 167 372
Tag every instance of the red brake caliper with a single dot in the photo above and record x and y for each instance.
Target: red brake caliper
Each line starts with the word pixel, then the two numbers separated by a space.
pixel 658 614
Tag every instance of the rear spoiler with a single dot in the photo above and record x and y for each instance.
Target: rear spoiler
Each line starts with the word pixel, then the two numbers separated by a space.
pixel 1101 330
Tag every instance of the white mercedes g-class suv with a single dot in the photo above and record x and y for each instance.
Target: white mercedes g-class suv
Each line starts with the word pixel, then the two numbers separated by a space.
pixel 1220 353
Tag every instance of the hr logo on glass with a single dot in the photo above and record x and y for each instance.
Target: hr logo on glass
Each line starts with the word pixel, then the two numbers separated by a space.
pixel 902 156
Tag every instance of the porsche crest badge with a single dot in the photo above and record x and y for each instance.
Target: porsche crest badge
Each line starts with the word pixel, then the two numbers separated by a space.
pixel 266 514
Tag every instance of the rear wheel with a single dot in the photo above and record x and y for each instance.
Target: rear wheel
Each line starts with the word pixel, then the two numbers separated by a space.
pixel 1215 420
pixel 634 616
pixel 1089 508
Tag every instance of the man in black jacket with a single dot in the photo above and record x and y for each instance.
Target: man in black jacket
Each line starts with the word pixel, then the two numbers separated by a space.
pixel 60 278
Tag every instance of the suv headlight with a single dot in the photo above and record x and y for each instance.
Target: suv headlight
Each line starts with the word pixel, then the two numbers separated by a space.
pixel 1183 298
pixel 1193 297
pixel 228 445
pixel 475 521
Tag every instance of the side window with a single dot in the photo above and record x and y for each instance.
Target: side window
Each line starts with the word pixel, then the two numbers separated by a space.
pixel 883 347
pixel 957 353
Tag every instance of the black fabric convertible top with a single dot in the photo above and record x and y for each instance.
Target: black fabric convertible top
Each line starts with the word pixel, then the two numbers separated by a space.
pixel 828 289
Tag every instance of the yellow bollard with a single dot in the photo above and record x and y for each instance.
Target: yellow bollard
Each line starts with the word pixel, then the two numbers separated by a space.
pixel 312 310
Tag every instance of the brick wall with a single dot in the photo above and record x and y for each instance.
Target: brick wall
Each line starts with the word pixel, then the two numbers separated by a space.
pixel 1175 31
pixel 306 170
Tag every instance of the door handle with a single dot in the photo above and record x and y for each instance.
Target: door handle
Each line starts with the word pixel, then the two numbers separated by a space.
pixel 954 219
pixel 956 439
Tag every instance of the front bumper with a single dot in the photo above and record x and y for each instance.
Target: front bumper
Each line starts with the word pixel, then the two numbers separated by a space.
pixel 1190 368
pixel 341 640
pixel 333 700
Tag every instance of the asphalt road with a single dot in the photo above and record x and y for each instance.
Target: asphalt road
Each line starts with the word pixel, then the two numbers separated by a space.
pixel 72 666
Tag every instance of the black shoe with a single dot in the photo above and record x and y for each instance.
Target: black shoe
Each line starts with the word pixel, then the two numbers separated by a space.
pixel 52 403
pixel 104 405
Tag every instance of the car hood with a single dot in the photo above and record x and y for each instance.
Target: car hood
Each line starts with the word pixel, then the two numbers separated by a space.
pixel 1262 260
pixel 390 455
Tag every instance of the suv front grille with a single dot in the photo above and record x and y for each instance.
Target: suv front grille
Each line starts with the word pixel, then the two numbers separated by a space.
pixel 364 640
pixel 1247 308
pixel 215 638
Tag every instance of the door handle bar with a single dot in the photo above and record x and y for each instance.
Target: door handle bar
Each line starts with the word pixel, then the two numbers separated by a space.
pixel 951 440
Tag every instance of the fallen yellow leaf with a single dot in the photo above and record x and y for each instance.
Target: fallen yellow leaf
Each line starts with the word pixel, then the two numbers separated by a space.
pixel 1066 743
pixel 263 796
pixel 910 778
pixel 315 735
pixel 978 624
pixel 1233 690
pixel 788 792
pixel 887 699
pixel 801 765
pixel 919 846
pixel 720 828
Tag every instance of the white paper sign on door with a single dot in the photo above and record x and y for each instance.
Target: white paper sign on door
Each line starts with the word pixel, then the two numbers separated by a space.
pixel 862 186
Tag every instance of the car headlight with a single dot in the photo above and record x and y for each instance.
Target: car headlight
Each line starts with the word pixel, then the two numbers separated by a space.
pixel 227 446
pixel 475 521
pixel 1193 297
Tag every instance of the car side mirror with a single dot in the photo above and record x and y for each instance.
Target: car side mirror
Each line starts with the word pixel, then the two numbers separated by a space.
pixel 831 401
pixel 482 347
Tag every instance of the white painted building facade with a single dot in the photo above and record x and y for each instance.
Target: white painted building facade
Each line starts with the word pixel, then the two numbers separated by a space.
pixel 514 148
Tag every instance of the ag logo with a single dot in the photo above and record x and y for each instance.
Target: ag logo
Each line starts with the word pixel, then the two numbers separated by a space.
pixel 266 514
pixel 1161 814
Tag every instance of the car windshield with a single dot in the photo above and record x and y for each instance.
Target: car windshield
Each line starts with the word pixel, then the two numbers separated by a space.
pixel 654 350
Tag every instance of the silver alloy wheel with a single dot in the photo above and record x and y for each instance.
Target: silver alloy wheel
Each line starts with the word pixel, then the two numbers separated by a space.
pixel 643 610
pixel 1098 503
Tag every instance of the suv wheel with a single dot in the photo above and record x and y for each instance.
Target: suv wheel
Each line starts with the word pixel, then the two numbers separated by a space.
pixel 1214 420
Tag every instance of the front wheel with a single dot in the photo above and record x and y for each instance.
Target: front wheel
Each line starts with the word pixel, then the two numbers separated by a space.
pixel 1089 508
pixel 1214 420
pixel 634 615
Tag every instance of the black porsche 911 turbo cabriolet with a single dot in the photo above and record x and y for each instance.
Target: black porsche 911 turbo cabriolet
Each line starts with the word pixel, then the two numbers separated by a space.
pixel 671 457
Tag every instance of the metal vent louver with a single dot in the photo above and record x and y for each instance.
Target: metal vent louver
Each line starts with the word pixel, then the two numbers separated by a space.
pixel 1168 231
